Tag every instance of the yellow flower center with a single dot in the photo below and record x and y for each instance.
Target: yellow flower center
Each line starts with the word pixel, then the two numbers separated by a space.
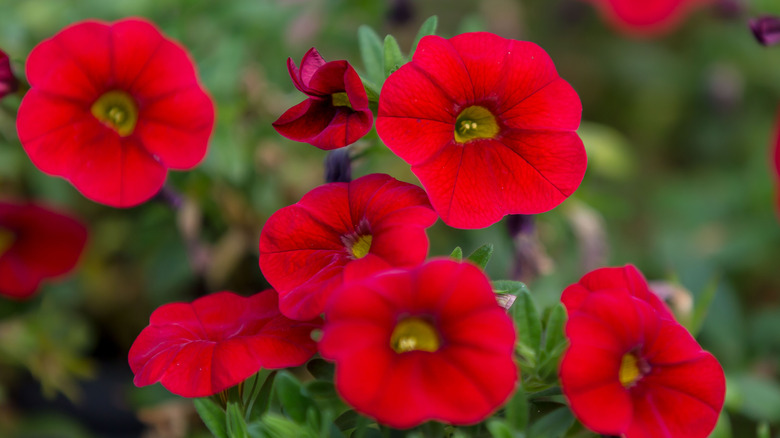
pixel 361 246
pixel 414 334
pixel 117 110
pixel 629 370
pixel 340 99
pixel 7 238
pixel 475 122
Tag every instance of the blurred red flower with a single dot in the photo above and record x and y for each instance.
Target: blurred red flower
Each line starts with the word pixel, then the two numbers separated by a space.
pixel 336 113
pixel 487 125
pixel 201 348
pixel 419 344
pixel 36 243
pixel 111 108
pixel 613 280
pixel 631 372
pixel 305 247
pixel 645 17
pixel 8 82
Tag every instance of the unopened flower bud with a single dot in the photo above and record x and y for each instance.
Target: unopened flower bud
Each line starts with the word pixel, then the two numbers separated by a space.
pixel 766 29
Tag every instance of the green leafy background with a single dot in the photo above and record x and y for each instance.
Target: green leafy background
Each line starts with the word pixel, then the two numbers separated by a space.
pixel 678 132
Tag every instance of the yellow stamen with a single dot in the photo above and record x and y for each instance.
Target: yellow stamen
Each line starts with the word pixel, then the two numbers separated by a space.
pixel 340 99
pixel 361 246
pixel 7 238
pixel 629 370
pixel 414 334
pixel 475 122
pixel 117 110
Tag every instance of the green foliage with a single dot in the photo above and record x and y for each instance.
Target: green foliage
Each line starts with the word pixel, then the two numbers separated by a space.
pixel 372 52
pixel 481 256
pixel 457 254
pixel 213 416
pixel 428 28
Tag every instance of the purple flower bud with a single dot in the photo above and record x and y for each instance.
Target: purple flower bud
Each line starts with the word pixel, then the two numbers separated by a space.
pixel 766 29
pixel 8 83
pixel 338 166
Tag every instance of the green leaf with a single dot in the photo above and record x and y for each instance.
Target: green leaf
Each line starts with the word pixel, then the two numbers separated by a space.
pixel 347 420
pixel 554 340
pixel 393 58
pixel 754 397
pixel 321 369
pixel 517 412
pixel 498 429
pixel 236 425
pixel 481 256
pixel 290 392
pixel 323 392
pixel 524 314
pixel 427 28
pixel 762 430
pixel 279 426
pixel 212 415
pixel 457 254
pixel 259 404
pixel 372 52
pixel 553 425
pixel 723 427
pixel 372 90
pixel 701 306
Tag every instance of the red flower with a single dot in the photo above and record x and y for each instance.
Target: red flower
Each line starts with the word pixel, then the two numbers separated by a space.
pixel 419 344
pixel 631 372
pixel 336 113
pixel 487 125
pixel 8 82
pixel 111 108
pixel 35 244
pixel 613 280
pixel 305 247
pixel 645 17
pixel 218 341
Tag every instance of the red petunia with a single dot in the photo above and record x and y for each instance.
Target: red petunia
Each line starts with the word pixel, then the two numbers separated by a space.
pixel 36 243
pixel 487 125
pixel 631 372
pixel 613 279
pixel 419 344
pixel 8 82
pixel 201 348
pixel 305 247
pixel 111 108
pixel 645 17
pixel 336 113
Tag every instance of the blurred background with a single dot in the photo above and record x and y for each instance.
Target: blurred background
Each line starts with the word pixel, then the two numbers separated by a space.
pixel 678 130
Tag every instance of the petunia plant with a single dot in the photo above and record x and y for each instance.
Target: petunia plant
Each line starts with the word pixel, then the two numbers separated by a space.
pixel 363 333
pixel 405 345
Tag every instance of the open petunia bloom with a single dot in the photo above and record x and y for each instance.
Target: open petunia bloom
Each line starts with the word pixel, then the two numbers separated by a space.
pixel 36 243
pixel 305 247
pixel 487 125
pixel 419 344
pixel 616 280
pixel 8 82
pixel 631 372
pixel 645 17
pixel 111 108
pixel 336 112
pixel 201 348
